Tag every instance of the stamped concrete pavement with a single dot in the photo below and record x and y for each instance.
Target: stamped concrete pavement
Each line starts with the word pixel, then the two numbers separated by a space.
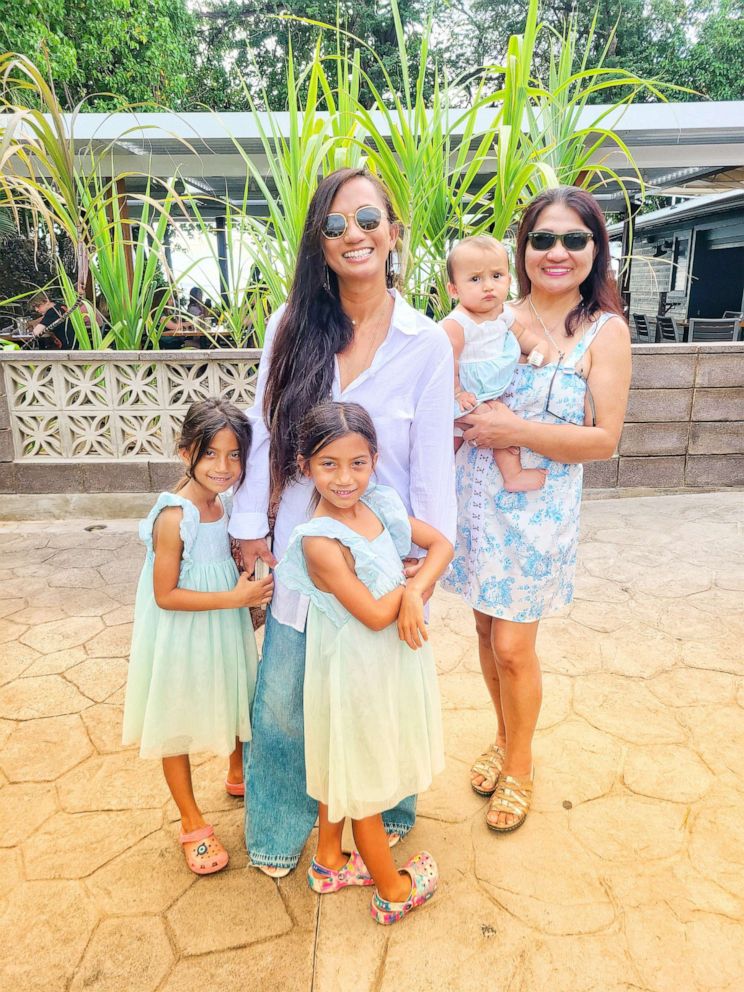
pixel 628 875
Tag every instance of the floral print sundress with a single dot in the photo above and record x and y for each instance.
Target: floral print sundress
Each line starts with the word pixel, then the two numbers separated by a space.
pixel 515 553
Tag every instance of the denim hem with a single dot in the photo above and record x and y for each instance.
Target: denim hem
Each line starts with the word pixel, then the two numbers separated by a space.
pixel 274 861
pixel 397 828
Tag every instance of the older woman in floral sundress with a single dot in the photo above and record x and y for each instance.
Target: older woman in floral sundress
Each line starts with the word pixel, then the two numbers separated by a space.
pixel 515 554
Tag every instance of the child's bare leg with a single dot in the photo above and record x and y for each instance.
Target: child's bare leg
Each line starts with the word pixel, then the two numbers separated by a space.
pixel 518 479
pixel 235 766
pixel 372 842
pixel 177 771
pixel 329 853
pixel 204 854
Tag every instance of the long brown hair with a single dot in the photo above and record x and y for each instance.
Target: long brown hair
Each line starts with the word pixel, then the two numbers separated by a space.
pixel 599 292
pixel 312 330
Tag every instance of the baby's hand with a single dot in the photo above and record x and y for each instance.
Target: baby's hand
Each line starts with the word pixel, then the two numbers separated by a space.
pixel 248 593
pixel 466 401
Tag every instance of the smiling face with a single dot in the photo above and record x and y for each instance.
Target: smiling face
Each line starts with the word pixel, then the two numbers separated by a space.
pixel 558 270
pixel 481 277
pixel 341 470
pixel 359 255
pixel 220 465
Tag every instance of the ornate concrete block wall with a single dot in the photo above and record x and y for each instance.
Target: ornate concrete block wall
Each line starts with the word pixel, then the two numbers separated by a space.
pixel 106 422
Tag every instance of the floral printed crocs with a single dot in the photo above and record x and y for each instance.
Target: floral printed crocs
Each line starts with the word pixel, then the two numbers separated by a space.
pixel 424 880
pixel 207 855
pixel 354 872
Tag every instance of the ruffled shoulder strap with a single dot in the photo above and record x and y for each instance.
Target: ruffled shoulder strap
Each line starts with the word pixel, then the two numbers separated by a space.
pixel 292 569
pixel 188 527
pixel 389 507
pixel 459 317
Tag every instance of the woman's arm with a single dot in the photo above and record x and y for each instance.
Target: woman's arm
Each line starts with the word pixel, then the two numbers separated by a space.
pixel 609 381
pixel 249 521
pixel 411 625
pixel 330 572
pixel 431 471
pixel 168 550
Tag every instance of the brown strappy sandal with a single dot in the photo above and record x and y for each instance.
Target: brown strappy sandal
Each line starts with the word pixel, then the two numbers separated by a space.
pixel 512 795
pixel 489 765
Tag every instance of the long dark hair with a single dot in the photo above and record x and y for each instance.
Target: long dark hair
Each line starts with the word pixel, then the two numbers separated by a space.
pixel 203 420
pixel 599 293
pixel 312 330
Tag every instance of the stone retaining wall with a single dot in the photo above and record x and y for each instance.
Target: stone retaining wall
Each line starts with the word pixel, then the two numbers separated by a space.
pixel 104 422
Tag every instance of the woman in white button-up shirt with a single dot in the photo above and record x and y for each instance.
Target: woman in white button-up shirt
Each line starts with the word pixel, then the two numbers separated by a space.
pixel 346 334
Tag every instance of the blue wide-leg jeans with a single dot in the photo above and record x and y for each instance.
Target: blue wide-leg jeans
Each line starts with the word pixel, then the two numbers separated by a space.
pixel 279 814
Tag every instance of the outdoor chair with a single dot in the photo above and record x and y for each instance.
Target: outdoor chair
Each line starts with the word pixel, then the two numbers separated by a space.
pixel 702 329
pixel 667 329
pixel 736 314
pixel 642 331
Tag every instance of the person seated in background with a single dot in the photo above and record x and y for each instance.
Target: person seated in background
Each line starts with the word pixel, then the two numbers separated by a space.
pixel 51 329
pixel 170 325
pixel 199 318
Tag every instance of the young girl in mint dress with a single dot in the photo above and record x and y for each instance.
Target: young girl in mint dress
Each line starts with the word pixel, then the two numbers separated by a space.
pixel 192 669
pixel 372 713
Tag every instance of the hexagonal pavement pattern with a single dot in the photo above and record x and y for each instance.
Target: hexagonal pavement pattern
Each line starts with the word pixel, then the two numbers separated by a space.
pixel 627 875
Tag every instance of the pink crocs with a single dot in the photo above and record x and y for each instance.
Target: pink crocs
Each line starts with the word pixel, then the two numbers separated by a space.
pixel 424 880
pixel 354 872
pixel 204 853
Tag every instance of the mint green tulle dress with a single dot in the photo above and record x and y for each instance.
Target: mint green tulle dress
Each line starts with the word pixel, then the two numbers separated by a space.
pixel 191 674
pixel 373 730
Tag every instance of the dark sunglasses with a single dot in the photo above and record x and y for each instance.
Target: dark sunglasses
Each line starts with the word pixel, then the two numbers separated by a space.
pixel 365 218
pixel 571 241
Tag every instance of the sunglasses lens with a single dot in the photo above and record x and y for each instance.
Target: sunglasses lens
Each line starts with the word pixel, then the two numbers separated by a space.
pixel 334 226
pixel 542 240
pixel 368 218
pixel 576 240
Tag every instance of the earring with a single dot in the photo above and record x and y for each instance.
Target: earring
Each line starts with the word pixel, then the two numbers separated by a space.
pixel 389 273
pixel 326 278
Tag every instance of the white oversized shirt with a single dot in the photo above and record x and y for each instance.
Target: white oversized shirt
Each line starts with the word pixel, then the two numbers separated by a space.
pixel 408 390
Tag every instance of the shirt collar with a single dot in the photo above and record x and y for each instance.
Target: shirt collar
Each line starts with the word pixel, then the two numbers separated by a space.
pixel 405 318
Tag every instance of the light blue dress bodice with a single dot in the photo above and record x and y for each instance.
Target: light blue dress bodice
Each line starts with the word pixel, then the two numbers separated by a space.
pixel 489 356
pixel 377 562
pixel 204 544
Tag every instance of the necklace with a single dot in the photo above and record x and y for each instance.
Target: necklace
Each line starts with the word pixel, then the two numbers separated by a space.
pixel 547 331
pixel 361 357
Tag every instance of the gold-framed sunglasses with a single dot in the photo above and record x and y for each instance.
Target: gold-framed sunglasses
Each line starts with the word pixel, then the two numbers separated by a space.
pixel 571 240
pixel 366 218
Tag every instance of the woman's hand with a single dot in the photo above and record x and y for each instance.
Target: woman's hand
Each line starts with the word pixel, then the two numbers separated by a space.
pixel 249 593
pixel 254 549
pixel 411 626
pixel 411 568
pixel 497 427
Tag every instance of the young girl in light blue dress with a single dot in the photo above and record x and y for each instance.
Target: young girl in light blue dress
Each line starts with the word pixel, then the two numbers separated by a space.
pixel 192 669
pixel 372 713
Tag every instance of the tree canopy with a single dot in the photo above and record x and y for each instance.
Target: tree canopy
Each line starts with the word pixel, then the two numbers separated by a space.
pixel 137 50
pixel 192 53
